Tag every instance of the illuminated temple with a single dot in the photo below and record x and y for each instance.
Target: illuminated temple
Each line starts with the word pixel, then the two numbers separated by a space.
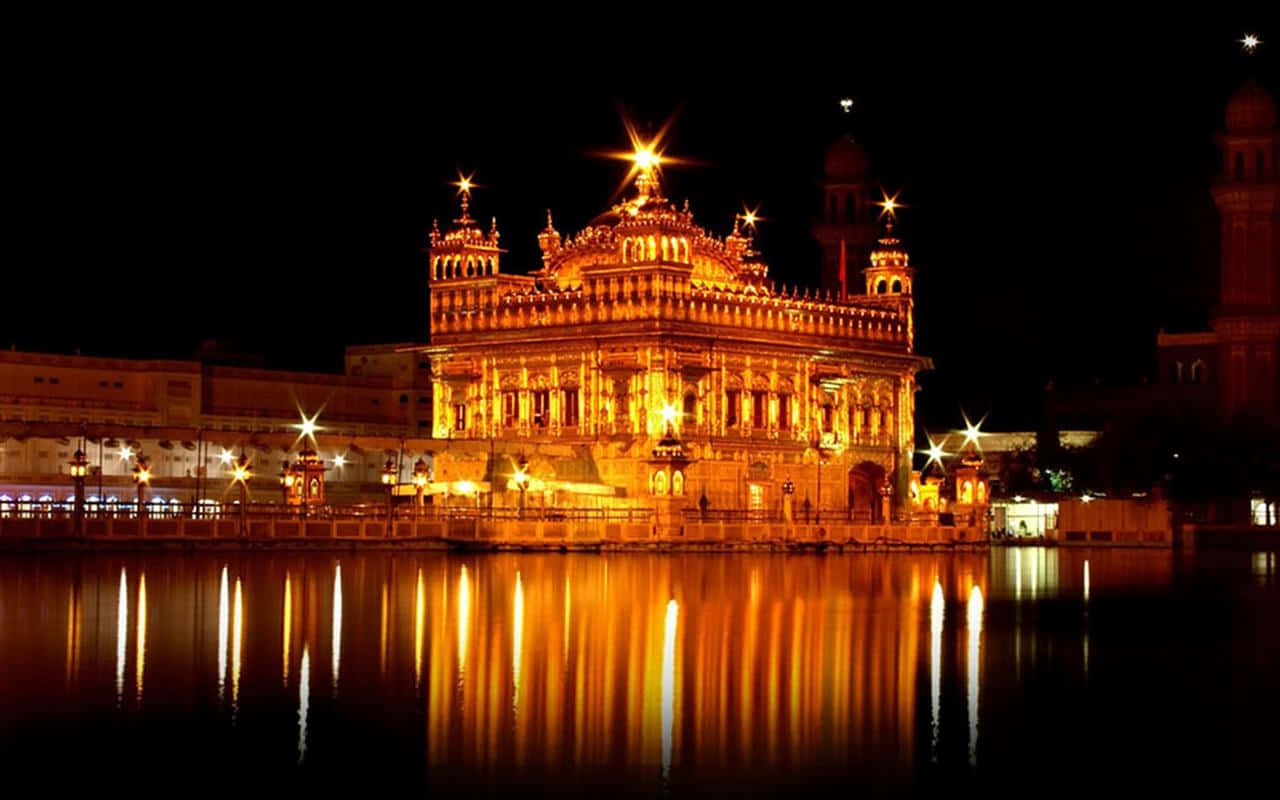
pixel 647 359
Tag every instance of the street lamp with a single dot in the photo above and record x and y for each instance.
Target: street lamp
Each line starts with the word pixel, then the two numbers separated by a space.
pixel 240 473
pixel 142 477
pixel 79 467
pixel 788 490
pixel 521 477
pixel 420 476
pixel 389 475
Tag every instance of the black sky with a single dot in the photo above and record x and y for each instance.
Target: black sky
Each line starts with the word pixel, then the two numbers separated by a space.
pixel 274 185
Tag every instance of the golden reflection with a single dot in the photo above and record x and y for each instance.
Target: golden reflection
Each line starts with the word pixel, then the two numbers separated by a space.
pixel 286 634
pixel 337 625
pixel 565 637
pixel 122 633
pixel 222 635
pixel 74 622
pixel 237 630
pixel 937 610
pixel 464 619
pixel 669 684
pixel 140 656
pixel 304 701
pixel 1086 580
pixel 974 666
pixel 517 643
pixel 382 639
pixel 419 628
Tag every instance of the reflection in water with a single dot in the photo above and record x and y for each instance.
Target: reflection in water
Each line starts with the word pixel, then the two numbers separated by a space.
pixel 669 684
pixel 337 625
pixel 287 627
pixel 464 620
pixel 517 641
pixel 140 657
pixel 1084 639
pixel 419 628
pixel 74 621
pixel 937 609
pixel 668 668
pixel 975 666
pixel 222 635
pixel 304 701
pixel 122 632
pixel 237 628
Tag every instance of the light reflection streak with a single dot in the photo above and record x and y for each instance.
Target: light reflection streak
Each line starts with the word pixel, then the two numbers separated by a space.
pixel 286 635
pixel 419 627
pixel 122 632
pixel 141 654
pixel 668 693
pixel 237 626
pixel 974 665
pixel 382 639
pixel 567 595
pixel 1085 636
pixel 937 610
pixel 222 636
pixel 337 625
pixel 304 701
pixel 517 644
pixel 464 619
pixel 74 621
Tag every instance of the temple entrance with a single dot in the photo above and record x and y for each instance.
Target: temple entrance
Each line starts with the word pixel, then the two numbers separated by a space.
pixel 864 493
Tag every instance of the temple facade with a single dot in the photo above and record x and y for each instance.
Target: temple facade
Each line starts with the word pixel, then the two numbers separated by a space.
pixel 648 360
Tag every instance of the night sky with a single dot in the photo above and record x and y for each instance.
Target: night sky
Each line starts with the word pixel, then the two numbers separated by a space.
pixel 275 190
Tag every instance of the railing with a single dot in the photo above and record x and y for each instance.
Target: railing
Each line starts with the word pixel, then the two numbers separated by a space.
pixel 363 511
pixel 731 515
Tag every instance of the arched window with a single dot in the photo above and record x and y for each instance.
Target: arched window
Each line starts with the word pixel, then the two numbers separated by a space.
pixel 1197 371
pixel 880 286
pixel 660 483
pixel 897 287
pixel 850 210
pixel 835 207
pixel 690 407
pixel 626 250
pixel 1239 166
pixel 1175 372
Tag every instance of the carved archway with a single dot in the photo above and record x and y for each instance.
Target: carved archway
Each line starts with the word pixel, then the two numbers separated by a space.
pixel 864 493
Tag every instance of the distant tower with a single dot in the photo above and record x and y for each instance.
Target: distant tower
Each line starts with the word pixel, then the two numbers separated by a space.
pixel 889 274
pixel 848 215
pixel 1247 319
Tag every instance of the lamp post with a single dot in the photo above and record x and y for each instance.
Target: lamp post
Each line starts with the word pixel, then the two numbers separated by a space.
pixel 79 467
pixel 788 491
pixel 521 477
pixel 389 475
pixel 241 474
pixel 420 476
pixel 142 477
